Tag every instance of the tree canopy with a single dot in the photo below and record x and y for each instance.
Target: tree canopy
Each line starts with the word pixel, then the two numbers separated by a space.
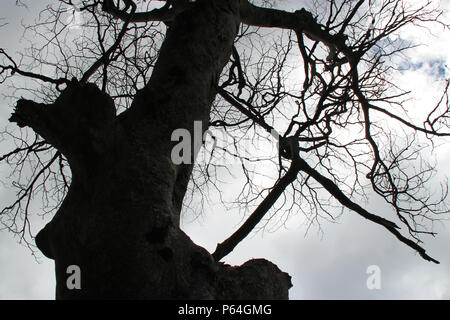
pixel 306 105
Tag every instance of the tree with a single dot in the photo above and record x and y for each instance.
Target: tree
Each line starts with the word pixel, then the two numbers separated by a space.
pixel 111 108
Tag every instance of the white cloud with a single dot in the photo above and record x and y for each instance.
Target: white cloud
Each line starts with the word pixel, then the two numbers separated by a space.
pixel 21 276
pixel 333 266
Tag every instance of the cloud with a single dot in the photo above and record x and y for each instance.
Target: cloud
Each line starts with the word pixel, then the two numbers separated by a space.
pixel 21 276
pixel 435 68
pixel 328 265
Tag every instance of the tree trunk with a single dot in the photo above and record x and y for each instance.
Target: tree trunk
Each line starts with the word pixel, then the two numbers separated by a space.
pixel 120 220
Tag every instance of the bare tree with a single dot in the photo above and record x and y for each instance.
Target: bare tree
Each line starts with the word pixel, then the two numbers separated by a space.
pixel 314 83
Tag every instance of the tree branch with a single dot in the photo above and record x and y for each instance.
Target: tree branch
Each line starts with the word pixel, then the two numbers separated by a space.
pixel 105 58
pixel 160 14
pixel 255 117
pixel 14 68
pixel 230 243
pixel 300 21
pixel 334 190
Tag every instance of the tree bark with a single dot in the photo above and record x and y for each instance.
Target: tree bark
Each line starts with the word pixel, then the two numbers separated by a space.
pixel 120 220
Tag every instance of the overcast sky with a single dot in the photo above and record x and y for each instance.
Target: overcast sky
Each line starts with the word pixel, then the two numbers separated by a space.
pixel 328 265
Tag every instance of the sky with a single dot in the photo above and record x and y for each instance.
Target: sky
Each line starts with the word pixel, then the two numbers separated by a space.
pixel 332 264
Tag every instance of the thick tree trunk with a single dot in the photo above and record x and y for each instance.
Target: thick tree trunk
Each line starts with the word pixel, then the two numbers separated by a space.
pixel 120 220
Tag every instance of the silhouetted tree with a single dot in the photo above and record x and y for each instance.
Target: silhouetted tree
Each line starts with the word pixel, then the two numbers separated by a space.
pixel 114 89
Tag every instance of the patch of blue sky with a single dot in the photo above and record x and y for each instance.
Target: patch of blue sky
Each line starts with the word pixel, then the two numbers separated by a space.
pixel 435 68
